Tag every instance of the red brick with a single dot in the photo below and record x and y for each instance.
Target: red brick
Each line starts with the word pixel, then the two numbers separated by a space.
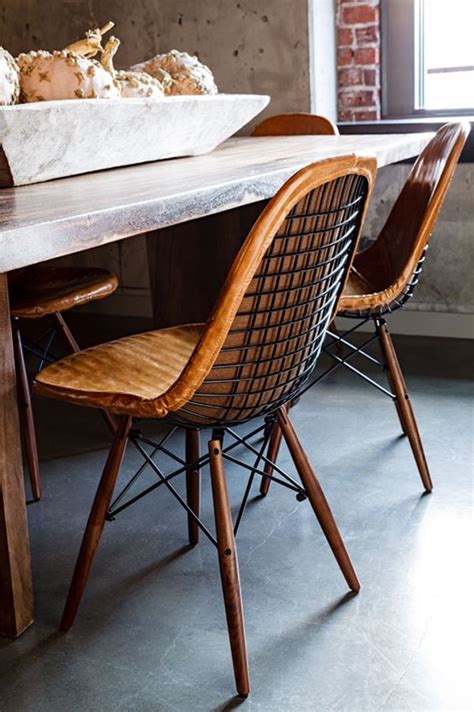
pixel 371 115
pixel 345 115
pixel 359 15
pixel 350 76
pixel 345 37
pixel 367 55
pixel 368 35
pixel 345 56
pixel 372 3
pixel 358 97
pixel 371 77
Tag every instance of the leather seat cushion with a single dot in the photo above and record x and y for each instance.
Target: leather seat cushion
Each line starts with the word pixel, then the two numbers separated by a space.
pixel 120 374
pixel 41 290
pixel 358 293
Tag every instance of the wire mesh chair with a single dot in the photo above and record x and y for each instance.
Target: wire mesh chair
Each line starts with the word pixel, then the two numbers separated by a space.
pixel 45 292
pixel 254 355
pixel 290 124
pixel 384 276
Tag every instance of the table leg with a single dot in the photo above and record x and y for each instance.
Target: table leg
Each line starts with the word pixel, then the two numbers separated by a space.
pixel 16 590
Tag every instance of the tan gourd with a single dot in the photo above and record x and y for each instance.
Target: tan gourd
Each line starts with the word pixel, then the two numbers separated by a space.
pixel 9 79
pixel 189 75
pixel 131 85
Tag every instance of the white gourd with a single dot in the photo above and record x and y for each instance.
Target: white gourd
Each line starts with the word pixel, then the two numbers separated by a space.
pixel 132 85
pixel 189 75
pixel 9 79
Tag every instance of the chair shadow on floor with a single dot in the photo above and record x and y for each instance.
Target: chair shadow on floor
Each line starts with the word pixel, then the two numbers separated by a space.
pixel 121 592
pixel 56 638
pixel 319 620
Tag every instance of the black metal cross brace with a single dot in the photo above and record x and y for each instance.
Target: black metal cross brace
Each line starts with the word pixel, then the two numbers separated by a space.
pixel 139 441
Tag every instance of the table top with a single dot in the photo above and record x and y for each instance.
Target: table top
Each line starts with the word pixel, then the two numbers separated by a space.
pixel 47 220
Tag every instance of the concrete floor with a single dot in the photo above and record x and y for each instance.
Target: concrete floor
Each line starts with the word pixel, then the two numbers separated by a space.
pixel 151 634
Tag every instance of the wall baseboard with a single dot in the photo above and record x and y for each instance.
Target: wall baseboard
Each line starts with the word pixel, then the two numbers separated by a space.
pixel 419 323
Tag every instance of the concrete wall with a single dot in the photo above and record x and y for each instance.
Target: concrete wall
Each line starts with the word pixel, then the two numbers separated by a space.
pixel 257 47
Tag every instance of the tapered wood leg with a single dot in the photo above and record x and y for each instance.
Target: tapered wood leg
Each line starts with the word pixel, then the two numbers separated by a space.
pixel 73 347
pixel 193 483
pixel 229 568
pixel 273 450
pixel 96 522
pixel 396 401
pixel 392 387
pixel 16 590
pixel 26 414
pixel 317 499
pixel 404 408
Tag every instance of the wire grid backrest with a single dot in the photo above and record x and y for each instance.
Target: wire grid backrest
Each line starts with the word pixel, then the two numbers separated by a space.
pixel 395 259
pixel 276 335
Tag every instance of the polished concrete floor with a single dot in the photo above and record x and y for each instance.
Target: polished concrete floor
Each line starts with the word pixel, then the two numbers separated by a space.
pixel 151 634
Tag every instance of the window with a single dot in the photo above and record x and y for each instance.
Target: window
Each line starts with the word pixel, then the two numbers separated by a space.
pixel 428 57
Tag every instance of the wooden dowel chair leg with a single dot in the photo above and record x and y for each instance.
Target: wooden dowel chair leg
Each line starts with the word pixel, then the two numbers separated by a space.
pixel 193 483
pixel 229 569
pixel 96 522
pixel 317 499
pixel 391 384
pixel 404 406
pixel 26 415
pixel 273 450
pixel 73 347
pixel 396 401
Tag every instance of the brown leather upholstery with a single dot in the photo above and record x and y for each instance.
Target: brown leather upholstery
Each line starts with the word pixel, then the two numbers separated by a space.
pixel 296 125
pixel 155 373
pixel 381 273
pixel 40 290
pixel 125 372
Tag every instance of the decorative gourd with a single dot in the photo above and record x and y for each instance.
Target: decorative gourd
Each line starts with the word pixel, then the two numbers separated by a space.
pixel 9 79
pixel 189 75
pixel 131 85
pixel 70 73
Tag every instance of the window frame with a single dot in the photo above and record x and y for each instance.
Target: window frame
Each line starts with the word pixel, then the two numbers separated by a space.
pixel 400 73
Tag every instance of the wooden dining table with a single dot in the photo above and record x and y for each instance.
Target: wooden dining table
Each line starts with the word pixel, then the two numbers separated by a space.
pixel 206 201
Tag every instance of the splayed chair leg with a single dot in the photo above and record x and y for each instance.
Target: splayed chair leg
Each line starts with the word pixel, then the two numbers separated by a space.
pixel 229 569
pixel 317 499
pixel 25 410
pixel 404 407
pixel 96 522
pixel 193 483
pixel 273 450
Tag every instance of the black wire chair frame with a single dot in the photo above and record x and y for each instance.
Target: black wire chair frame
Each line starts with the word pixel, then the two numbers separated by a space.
pixel 267 359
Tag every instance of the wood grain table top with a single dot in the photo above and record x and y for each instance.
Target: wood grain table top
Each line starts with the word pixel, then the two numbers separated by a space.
pixel 47 220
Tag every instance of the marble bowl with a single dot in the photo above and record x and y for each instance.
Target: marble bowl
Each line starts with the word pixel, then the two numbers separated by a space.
pixel 53 139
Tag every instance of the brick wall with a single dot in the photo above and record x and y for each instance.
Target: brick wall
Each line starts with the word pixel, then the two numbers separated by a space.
pixel 358 60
